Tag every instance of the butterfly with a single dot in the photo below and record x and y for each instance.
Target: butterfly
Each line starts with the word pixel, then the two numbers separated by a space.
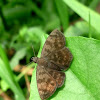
pixel 55 57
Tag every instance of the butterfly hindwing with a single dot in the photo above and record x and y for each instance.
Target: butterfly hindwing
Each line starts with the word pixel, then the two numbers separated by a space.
pixel 58 76
pixel 55 41
pixel 45 82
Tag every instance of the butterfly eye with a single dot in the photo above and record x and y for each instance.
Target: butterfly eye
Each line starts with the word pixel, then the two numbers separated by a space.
pixel 34 59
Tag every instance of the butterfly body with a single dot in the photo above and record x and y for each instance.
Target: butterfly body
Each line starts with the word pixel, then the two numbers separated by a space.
pixel 40 61
pixel 55 57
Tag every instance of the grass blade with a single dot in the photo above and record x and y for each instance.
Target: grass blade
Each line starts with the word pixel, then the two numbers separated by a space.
pixel 7 75
pixel 63 13
pixel 83 11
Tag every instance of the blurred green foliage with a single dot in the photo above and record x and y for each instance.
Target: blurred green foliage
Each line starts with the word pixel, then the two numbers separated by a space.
pixel 26 23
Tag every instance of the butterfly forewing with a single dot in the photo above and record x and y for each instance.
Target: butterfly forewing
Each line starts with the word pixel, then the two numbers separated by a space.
pixel 45 82
pixel 61 58
pixel 55 41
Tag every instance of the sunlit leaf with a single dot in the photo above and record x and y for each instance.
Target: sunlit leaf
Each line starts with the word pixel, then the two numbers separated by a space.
pixel 82 78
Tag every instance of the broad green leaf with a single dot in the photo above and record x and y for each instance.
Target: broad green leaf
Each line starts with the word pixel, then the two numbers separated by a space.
pixel 86 66
pixel 82 78
pixel 84 11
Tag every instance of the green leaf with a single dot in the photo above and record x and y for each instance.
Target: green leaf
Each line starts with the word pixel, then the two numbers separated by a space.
pixel 16 12
pixel 17 57
pixel 81 28
pixel 48 9
pixel 52 24
pixel 94 4
pixel 35 8
pixel 1 27
pixel 82 78
pixel 84 11
pixel 85 67
pixel 63 13
pixel 7 75
pixel 33 91
pixel 4 85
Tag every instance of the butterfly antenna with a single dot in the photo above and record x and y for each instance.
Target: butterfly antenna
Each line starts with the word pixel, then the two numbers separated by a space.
pixel 33 51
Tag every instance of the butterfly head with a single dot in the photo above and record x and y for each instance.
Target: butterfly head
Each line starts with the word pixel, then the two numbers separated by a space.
pixel 34 59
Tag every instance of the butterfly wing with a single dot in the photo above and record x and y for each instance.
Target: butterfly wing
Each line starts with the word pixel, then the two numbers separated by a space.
pixel 60 58
pixel 45 82
pixel 57 57
pixel 57 75
pixel 55 41
pixel 54 51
